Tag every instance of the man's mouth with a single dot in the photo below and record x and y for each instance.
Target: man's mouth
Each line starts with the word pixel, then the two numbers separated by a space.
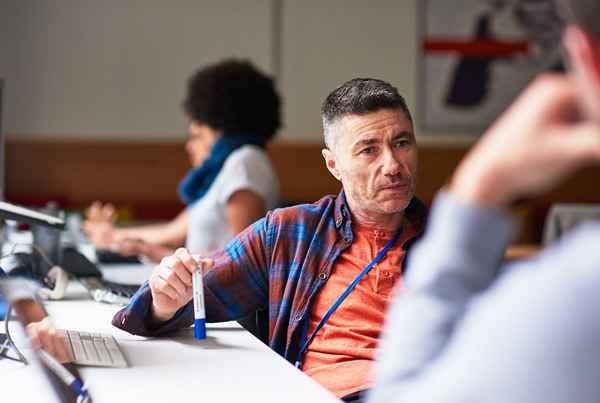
pixel 395 186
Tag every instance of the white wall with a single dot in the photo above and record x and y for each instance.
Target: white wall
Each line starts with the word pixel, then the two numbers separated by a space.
pixel 328 42
pixel 114 68
pixel 117 68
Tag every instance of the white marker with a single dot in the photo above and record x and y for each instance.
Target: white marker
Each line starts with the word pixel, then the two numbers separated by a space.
pixel 198 295
pixel 63 374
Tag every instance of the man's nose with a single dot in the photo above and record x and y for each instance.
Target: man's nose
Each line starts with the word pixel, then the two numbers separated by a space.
pixel 392 165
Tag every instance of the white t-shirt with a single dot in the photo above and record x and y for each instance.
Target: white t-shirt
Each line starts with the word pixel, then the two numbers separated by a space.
pixel 247 168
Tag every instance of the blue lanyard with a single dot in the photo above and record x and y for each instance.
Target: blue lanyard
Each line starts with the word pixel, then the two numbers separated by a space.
pixel 342 297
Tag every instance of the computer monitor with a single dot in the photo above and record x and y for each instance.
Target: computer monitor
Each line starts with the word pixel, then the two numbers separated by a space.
pixel 564 217
pixel 22 214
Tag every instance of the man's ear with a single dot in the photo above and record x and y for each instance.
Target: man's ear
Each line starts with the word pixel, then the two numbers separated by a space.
pixel 330 163
pixel 584 56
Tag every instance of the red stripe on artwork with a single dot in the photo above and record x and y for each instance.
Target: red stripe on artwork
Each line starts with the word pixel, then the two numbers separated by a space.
pixel 483 48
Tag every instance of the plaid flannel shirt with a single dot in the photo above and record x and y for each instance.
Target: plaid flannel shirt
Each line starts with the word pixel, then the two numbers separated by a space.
pixel 278 264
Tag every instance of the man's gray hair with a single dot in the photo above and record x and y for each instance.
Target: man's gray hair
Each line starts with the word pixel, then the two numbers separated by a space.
pixel 583 13
pixel 359 96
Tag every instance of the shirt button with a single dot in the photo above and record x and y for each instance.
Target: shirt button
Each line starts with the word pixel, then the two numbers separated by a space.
pixel 298 316
pixel 322 276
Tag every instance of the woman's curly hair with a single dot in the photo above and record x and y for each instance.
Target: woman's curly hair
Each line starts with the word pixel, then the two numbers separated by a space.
pixel 235 97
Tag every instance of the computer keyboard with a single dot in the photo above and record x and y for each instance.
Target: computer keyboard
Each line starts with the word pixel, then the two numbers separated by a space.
pixel 109 257
pixel 124 290
pixel 109 292
pixel 105 256
pixel 95 349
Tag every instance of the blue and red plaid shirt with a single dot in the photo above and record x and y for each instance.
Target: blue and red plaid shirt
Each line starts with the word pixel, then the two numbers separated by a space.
pixel 278 264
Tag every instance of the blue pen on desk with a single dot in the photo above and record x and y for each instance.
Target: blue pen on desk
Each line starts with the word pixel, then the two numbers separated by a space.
pixel 198 295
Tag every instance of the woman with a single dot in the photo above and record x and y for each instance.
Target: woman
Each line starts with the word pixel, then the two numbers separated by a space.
pixel 234 110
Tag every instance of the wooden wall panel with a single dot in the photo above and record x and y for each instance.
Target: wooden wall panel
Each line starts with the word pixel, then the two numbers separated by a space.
pixel 302 174
pixel 143 172
pixel 145 176
pixel 85 171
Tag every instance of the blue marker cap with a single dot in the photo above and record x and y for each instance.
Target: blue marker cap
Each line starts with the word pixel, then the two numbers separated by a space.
pixel 200 329
pixel 78 388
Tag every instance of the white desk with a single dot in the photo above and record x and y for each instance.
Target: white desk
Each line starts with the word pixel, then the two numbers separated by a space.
pixel 231 365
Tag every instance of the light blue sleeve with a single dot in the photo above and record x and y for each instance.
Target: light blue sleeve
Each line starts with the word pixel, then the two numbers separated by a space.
pixel 457 258
pixel 466 331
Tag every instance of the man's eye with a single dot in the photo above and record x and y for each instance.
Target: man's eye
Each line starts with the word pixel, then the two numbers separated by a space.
pixel 368 150
pixel 402 143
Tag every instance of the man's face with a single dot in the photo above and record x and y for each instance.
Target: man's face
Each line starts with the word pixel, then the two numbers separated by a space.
pixel 375 158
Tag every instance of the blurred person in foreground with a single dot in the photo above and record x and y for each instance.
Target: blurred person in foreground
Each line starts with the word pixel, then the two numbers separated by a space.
pixel 468 328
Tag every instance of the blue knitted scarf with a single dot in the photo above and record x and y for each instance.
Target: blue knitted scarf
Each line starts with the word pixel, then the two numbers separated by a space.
pixel 198 180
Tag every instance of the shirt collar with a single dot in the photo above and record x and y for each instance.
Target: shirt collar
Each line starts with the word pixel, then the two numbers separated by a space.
pixel 415 214
pixel 341 210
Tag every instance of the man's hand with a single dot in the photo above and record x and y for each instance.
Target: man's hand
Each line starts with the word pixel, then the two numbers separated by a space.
pixel 44 336
pixel 536 143
pixel 171 284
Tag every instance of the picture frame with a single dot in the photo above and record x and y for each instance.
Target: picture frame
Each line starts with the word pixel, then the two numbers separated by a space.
pixel 476 56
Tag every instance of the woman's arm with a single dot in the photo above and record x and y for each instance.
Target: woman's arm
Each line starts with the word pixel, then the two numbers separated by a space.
pixel 171 233
pixel 103 234
pixel 243 208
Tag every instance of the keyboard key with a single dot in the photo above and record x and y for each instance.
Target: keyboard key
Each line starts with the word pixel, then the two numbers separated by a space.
pixel 102 352
pixel 115 352
pixel 88 345
pixel 76 347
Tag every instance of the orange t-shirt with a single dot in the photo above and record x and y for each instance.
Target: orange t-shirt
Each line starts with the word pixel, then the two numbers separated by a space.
pixel 342 353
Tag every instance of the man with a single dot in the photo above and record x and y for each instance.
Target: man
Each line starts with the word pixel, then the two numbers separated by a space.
pixel 297 261
pixel 466 330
